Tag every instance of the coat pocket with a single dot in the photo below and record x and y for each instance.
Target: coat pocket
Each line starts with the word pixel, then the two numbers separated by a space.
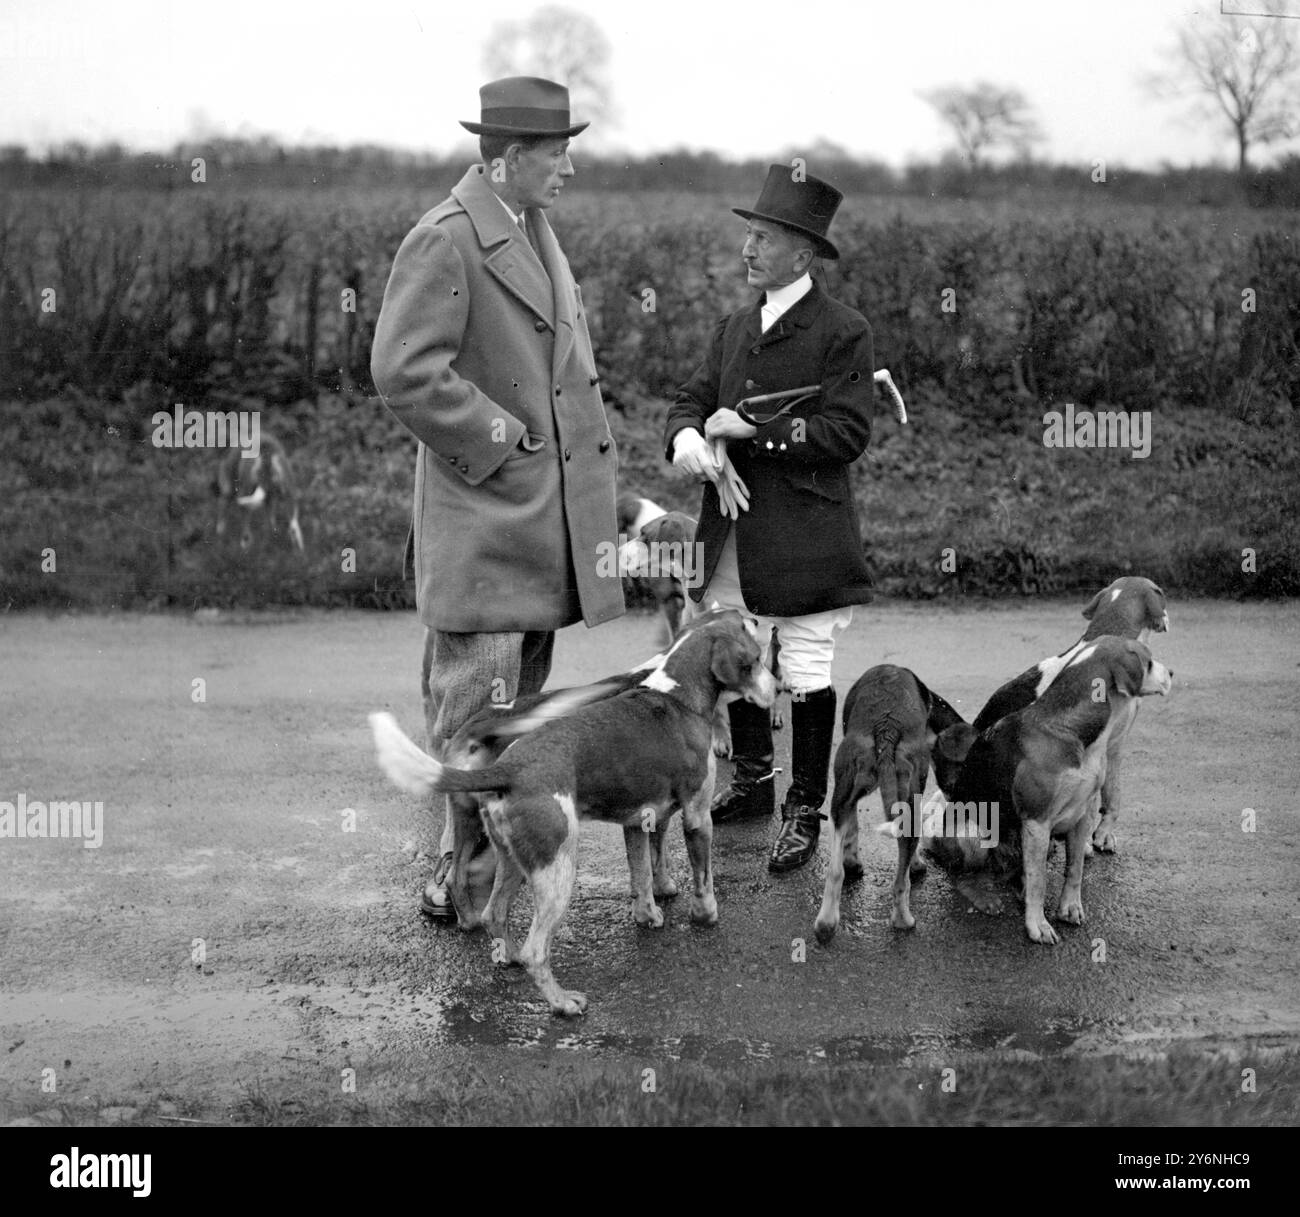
pixel 832 484
pixel 527 445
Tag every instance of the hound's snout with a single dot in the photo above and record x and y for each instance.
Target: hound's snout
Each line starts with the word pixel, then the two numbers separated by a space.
pixel 762 689
pixel 1159 679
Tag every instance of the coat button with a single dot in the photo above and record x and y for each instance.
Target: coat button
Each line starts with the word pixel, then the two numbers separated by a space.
pixel 769 443
pixel 749 384
pixel 604 445
pixel 782 447
pixel 567 454
pixel 539 326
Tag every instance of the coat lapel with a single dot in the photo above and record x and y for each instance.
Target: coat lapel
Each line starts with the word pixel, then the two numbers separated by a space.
pixel 511 262
pixel 799 316
pixel 563 301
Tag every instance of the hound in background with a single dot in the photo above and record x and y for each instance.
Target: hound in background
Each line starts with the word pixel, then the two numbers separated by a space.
pixel 1044 767
pixel 1131 607
pixel 642 521
pixel 533 797
pixel 260 489
pixel 645 523
pixel 891 721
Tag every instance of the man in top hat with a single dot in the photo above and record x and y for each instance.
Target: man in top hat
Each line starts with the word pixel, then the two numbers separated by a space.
pixel 786 548
pixel 482 352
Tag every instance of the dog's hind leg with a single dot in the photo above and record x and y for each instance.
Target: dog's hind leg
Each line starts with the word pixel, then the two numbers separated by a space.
pixel 901 918
pixel 463 821
pixel 552 883
pixel 697 825
pixel 496 913
pixel 853 770
pixel 855 776
pixel 664 884
pixel 828 916
pixel 645 912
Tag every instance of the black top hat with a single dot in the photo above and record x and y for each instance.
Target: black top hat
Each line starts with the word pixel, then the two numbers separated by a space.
pixel 524 105
pixel 806 205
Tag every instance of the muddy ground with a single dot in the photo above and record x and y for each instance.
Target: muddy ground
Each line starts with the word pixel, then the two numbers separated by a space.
pixel 224 821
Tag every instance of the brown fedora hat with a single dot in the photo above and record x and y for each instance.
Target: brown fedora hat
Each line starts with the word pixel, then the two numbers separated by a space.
pixel 807 206
pixel 524 105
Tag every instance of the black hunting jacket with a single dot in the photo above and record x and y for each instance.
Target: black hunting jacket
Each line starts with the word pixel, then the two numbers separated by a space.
pixel 798 546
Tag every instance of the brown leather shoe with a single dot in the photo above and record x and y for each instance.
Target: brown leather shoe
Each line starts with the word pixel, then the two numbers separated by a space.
pixel 797 840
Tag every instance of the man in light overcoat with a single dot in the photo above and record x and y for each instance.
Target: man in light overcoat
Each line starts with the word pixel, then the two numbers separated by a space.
pixel 482 352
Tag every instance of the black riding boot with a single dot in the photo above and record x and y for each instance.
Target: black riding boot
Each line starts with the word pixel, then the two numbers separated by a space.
pixel 812 728
pixel 752 793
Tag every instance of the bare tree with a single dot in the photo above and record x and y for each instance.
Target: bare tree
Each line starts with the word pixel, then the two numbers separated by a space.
pixel 562 45
pixel 987 116
pixel 1241 70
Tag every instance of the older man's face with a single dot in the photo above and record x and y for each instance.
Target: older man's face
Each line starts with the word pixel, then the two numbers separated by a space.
pixel 541 172
pixel 774 255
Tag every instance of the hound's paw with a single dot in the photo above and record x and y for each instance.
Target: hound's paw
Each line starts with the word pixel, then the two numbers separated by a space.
pixel 853 869
pixel 1038 929
pixel 1071 910
pixel 666 887
pixel 917 868
pixel 984 897
pixel 778 717
pixel 902 919
pixel 825 930
pixel 722 745
pixel 569 1003
pixel 648 916
pixel 1103 840
pixel 704 911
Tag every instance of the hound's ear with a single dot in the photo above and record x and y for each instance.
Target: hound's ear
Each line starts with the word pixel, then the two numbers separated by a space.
pixel 953 743
pixel 939 715
pixel 1130 668
pixel 1094 604
pixel 724 660
pixel 949 754
pixel 1157 614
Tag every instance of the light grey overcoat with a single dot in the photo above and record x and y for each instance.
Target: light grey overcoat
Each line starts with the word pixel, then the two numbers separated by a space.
pixel 482 352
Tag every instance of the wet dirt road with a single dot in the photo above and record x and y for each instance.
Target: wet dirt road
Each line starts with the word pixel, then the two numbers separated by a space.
pixel 229 932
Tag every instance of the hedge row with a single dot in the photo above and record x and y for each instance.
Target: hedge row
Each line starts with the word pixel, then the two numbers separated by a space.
pixel 273 296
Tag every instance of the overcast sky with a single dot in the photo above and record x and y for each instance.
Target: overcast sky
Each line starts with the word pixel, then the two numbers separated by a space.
pixel 746 79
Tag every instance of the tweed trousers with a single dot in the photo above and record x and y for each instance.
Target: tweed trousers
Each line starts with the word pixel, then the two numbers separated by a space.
pixel 465 672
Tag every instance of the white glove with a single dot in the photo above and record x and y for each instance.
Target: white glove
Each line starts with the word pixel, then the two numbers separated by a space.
pixel 732 492
pixel 693 455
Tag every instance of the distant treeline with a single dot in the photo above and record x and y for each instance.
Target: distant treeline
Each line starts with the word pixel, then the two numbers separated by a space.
pixel 264 164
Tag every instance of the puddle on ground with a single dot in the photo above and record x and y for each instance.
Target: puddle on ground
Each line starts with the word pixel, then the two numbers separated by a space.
pixel 458 1025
